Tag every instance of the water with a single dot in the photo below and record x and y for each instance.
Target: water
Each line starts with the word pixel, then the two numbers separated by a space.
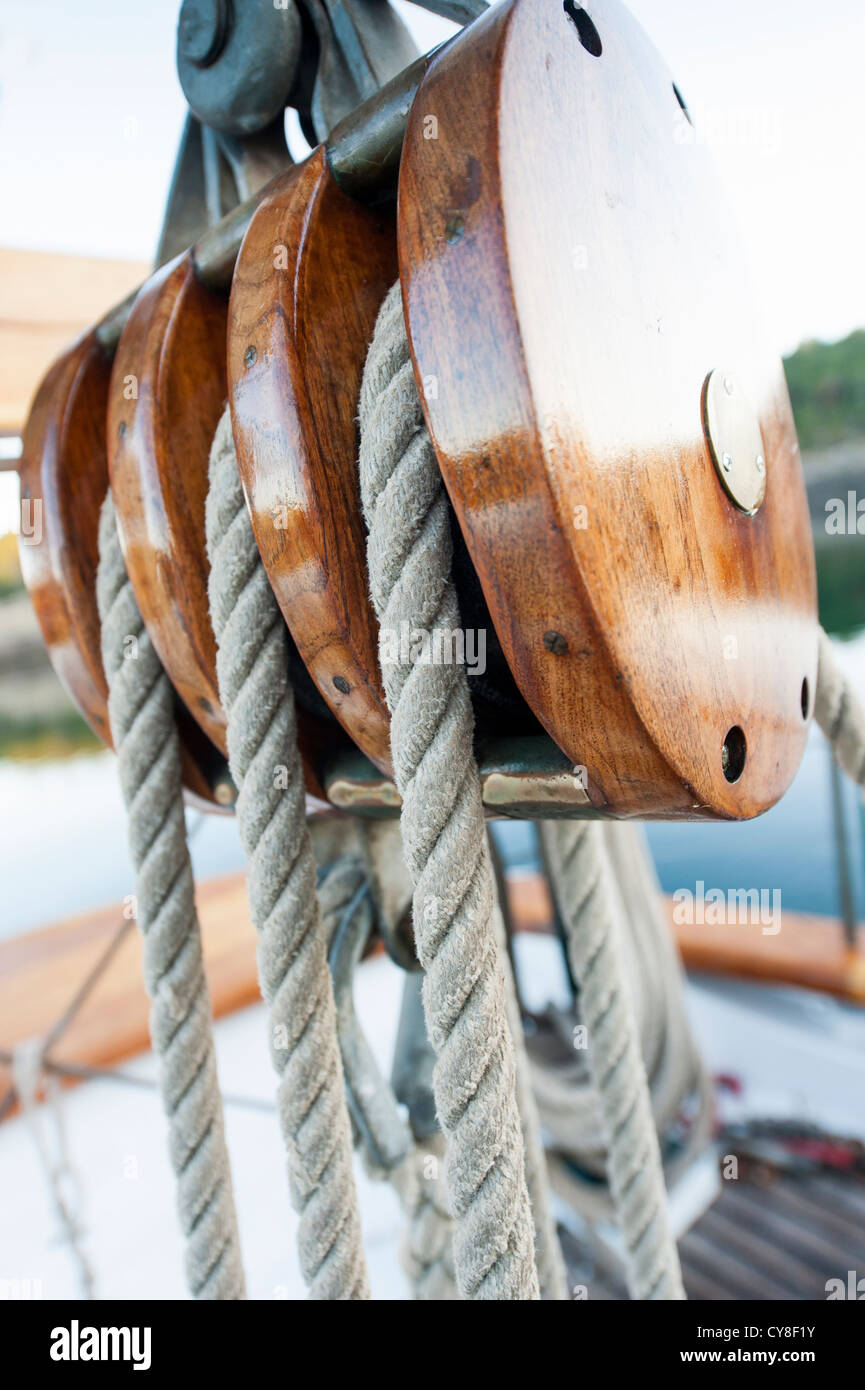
pixel 791 848
pixel 63 846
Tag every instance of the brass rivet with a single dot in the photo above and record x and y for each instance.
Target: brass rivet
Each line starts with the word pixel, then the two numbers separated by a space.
pixel 341 684
pixel 454 229
pixel 225 793
pixel 249 356
pixel 732 432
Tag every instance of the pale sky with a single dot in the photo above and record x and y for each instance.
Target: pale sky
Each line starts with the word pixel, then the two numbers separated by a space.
pixel 90 112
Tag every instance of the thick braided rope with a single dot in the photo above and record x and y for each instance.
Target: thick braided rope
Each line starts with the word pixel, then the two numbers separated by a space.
pixel 359 852
pixel 141 711
pixel 428 1247
pixel 548 1252
pixel 427 1251
pixel 568 1100
pixel 409 555
pixel 581 879
pixel 839 712
pixel 252 671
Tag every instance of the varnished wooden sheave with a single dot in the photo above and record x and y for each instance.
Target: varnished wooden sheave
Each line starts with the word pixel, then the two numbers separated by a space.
pixel 570 281
pixel 570 278
pixel 168 390
pixel 64 479
pixel 311 275
pixel 167 394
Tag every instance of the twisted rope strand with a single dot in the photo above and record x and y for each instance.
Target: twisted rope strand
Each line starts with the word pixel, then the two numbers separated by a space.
pixel 548 1252
pixel 839 712
pixel 409 555
pixel 567 1098
pixel 580 877
pixel 361 855
pixel 141 712
pixel 252 667
pixel 427 1250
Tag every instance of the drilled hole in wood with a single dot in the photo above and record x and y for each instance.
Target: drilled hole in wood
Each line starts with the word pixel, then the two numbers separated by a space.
pixel 589 36
pixel 733 753
pixel 684 105
pixel 806 696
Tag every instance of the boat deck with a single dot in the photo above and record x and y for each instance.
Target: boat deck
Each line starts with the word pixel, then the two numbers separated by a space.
pixel 781 1240
pixel 781 1237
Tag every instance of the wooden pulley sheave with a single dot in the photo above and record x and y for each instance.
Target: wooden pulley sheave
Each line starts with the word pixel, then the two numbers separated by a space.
pixel 312 272
pixel 168 389
pixel 615 434
pixel 487 356
pixel 629 518
pixel 64 472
